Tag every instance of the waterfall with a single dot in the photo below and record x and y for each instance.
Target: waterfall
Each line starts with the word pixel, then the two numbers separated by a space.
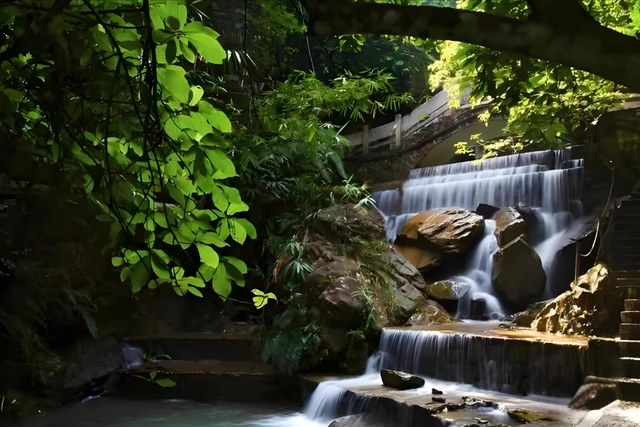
pixel 548 182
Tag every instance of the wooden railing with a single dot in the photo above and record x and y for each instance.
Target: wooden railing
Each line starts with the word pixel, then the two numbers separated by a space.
pixel 392 134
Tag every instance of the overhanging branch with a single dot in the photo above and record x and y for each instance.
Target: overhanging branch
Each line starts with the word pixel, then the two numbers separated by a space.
pixel 584 44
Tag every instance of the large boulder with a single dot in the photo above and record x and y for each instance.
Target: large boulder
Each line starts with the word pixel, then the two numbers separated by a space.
pixel 349 220
pixel 591 306
pixel 325 272
pixel 401 271
pixel 450 231
pixel 343 302
pixel 409 298
pixel 430 313
pixel 446 290
pixel 509 225
pixel 423 259
pixel 400 380
pixel 487 211
pixel 518 275
pixel 593 396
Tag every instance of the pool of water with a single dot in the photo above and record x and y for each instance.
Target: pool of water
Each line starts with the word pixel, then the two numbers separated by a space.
pixel 112 412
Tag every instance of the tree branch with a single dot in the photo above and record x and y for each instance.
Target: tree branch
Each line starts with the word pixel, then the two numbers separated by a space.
pixel 585 44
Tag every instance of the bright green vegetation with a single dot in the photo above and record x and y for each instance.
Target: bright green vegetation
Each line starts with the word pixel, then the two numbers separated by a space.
pixel 207 136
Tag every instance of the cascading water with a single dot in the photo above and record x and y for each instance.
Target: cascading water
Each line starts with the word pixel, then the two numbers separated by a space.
pixel 548 182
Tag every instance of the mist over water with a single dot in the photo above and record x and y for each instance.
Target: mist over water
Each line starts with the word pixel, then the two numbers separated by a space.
pixel 548 182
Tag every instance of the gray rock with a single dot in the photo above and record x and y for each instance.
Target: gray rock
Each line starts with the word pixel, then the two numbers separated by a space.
pixel 400 380
pixel 518 275
pixel 509 226
pixel 446 290
pixel 451 231
pixel 593 396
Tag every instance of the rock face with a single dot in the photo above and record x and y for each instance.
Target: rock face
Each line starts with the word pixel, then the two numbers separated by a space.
pixel 325 272
pixel 593 396
pixel 349 220
pixel 343 301
pixel 450 231
pixel 423 259
pixel 518 275
pixel 446 290
pixel 589 307
pixel 509 226
pixel 487 211
pixel 431 313
pixel 400 380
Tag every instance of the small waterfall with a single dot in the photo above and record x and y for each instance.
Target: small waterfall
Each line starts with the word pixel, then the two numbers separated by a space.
pixel 510 366
pixel 548 182
pixel 477 277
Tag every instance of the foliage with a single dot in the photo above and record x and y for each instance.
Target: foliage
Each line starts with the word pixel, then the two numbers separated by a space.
pixel 107 98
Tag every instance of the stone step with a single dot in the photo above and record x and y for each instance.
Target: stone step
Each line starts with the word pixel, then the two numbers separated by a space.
pixel 628 281
pixel 633 203
pixel 223 346
pixel 617 236
pixel 630 331
pixel 626 388
pixel 620 274
pixel 626 226
pixel 632 304
pixel 630 317
pixel 205 381
pixel 629 348
pixel 626 259
pixel 623 217
pixel 629 249
pixel 626 211
pixel 615 266
pixel 631 366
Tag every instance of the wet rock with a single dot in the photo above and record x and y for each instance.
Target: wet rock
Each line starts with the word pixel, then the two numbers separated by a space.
pixel 526 416
pixel 593 396
pixel 438 399
pixel 400 380
pixel 477 309
pixel 446 290
pixel 422 259
pixel 591 306
pixel 526 318
pixel 509 226
pixel 518 275
pixel 533 222
pixel 431 313
pixel 451 231
pixel 348 220
pixel 410 299
pixel 436 391
pixel 360 420
pixel 402 271
pixel 325 272
pixel 343 301
pixel 487 211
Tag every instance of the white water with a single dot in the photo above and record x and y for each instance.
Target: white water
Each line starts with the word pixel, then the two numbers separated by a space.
pixel 447 361
pixel 545 181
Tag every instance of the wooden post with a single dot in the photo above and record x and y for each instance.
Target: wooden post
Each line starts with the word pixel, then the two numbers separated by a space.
pixel 398 131
pixel 365 139
pixel 479 151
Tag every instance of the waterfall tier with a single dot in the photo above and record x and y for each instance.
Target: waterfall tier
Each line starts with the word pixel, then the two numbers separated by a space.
pixel 547 182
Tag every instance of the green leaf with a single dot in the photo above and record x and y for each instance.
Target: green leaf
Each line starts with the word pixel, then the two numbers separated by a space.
pixel 125 273
pixel 224 166
pixel 211 239
pixel 177 272
pixel 208 255
pixel 139 276
pixel 195 291
pixel 184 184
pixel 221 282
pixel 237 263
pixel 207 46
pixel 261 299
pixel 238 232
pixel 195 95
pixel 193 281
pixel 101 38
pixel 251 230
pixel 159 268
pixel 173 79
pixel 117 261
pixel 165 382
pixel 173 22
pixel 153 375
pixel 171 52
pixel 215 117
